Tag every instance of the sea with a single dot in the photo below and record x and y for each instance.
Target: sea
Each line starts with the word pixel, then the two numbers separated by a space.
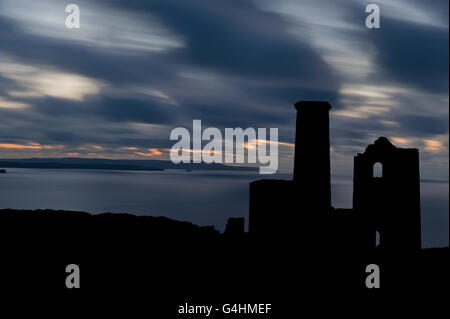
pixel 201 197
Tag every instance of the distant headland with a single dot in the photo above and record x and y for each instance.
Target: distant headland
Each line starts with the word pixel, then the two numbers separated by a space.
pixel 114 164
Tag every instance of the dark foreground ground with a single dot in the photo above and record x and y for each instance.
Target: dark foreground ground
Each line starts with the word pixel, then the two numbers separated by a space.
pixel 155 264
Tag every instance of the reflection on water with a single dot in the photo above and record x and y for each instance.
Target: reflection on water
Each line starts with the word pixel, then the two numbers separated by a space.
pixel 204 198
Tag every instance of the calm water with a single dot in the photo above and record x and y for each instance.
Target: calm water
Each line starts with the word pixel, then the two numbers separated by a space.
pixel 204 198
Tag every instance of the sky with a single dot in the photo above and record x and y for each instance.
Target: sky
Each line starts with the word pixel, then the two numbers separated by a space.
pixel 135 70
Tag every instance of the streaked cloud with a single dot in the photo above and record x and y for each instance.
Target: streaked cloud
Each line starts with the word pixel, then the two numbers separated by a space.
pixel 103 27
pixel 40 82
pixel 32 146
pixel 12 104
pixel 136 69
pixel 433 145
pixel 151 152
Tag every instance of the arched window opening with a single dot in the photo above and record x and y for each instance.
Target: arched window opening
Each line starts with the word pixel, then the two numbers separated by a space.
pixel 377 170
pixel 377 240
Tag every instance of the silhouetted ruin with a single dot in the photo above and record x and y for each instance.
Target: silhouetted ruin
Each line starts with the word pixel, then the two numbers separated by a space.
pixel 388 204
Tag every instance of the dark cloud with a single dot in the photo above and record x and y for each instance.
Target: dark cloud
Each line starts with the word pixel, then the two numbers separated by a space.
pixel 424 125
pixel 133 111
pixel 414 54
pixel 91 61
pixel 236 37
pixel 6 85
pixel 103 107
pixel 233 116
pixel 440 8
pixel 281 95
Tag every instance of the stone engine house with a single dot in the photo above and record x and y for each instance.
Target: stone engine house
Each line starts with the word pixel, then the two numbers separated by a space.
pixel 386 193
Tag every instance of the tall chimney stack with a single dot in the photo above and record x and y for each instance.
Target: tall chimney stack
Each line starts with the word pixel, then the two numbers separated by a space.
pixel 312 154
